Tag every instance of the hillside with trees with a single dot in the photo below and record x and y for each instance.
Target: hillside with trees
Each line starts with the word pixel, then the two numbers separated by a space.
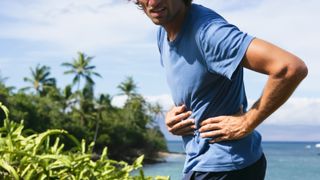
pixel 127 131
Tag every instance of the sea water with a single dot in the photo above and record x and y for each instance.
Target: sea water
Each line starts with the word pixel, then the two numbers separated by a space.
pixel 285 161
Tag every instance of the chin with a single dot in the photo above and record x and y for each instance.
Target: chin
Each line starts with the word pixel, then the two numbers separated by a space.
pixel 157 22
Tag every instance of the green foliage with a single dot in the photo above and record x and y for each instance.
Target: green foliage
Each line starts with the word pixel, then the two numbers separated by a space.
pixel 128 131
pixel 40 79
pixel 128 87
pixel 34 157
pixel 81 68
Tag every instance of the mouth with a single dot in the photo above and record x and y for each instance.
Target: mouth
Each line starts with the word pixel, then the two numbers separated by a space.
pixel 157 11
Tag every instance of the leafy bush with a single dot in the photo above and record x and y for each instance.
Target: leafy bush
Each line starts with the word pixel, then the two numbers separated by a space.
pixel 35 157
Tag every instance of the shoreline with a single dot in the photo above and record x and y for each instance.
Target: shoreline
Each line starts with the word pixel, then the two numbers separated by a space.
pixel 162 157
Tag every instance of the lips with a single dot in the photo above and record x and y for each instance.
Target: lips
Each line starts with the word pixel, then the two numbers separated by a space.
pixel 157 11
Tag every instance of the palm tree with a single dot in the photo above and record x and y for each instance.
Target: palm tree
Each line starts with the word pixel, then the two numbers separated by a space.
pixel 102 104
pixel 40 79
pixel 68 98
pixel 81 68
pixel 128 87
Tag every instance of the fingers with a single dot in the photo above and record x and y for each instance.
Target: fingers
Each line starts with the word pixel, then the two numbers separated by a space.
pixel 212 134
pixel 183 124
pixel 179 109
pixel 217 136
pixel 211 120
pixel 209 127
pixel 178 123
pixel 171 121
pixel 185 127
pixel 189 130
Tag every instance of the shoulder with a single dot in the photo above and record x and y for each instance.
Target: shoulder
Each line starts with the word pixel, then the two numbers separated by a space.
pixel 202 16
pixel 204 21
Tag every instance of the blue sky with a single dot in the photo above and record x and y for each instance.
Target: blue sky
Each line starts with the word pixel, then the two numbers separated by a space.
pixel 122 40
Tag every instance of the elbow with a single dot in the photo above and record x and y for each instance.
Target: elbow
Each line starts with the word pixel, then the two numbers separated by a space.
pixel 296 70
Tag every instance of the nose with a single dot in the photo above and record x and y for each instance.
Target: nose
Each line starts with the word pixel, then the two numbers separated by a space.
pixel 153 3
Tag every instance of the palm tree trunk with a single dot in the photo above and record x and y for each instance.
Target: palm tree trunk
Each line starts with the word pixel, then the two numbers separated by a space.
pixel 79 84
pixel 95 136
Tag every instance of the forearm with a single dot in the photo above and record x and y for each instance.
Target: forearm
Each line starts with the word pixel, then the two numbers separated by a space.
pixel 285 71
pixel 278 89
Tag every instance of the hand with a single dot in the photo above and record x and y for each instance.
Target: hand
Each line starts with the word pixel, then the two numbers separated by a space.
pixel 177 122
pixel 224 128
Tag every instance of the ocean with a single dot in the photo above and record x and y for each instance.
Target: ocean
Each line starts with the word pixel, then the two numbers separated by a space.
pixel 285 161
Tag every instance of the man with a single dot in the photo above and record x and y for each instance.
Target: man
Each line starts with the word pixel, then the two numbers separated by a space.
pixel 204 56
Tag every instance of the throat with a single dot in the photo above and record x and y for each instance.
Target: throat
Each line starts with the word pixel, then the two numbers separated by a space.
pixel 172 36
pixel 174 27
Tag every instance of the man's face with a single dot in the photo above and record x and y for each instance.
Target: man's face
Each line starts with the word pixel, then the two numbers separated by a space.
pixel 162 12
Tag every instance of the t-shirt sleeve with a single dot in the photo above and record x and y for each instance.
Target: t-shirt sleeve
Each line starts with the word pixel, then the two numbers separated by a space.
pixel 223 47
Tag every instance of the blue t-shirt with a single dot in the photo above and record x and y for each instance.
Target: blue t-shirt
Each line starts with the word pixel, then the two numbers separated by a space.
pixel 204 72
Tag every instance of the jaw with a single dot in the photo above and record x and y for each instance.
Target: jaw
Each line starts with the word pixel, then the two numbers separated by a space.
pixel 158 16
pixel 158 21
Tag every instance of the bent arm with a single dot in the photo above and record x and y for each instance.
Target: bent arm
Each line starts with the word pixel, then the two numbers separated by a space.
pixel 285 71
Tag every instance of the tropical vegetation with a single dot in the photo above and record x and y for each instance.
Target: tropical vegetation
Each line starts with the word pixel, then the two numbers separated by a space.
pixel 128 132
pixel 37 157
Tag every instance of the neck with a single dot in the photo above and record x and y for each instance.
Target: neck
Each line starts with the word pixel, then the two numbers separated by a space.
pixel 174 26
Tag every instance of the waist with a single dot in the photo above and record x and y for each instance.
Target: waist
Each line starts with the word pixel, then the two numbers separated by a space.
pixel 223 156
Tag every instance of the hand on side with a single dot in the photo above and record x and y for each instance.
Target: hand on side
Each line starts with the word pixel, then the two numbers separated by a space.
pixel 178 121
pixel 225 128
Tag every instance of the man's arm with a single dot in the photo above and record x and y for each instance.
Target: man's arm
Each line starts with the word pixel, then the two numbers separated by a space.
pixel 285 71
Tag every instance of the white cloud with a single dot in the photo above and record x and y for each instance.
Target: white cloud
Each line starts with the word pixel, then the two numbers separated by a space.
pixel 119 101
pixel 77 24
pixel 119 32
pixel 298 111
pixel 164 100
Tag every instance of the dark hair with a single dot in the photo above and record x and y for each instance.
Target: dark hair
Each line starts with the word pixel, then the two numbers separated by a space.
pixel 186 2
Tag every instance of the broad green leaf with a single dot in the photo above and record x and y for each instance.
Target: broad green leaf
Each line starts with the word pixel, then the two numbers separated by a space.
pixel 138 162
pixel 30 174
pixel 43 176
pixel 104 154
pixel 9 168
pixel 83 146
pixel 26 169
pixel 41 137
pixel 5 110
